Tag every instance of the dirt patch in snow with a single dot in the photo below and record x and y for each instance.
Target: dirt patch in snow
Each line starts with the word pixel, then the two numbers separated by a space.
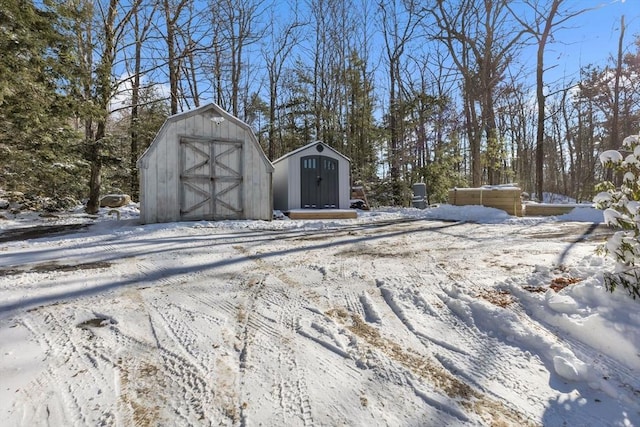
pixel 48 267
pixel 560 283
pixel 557 284
pixel 501 298
pixel 375 252
pixel 97 322
pixel 35 232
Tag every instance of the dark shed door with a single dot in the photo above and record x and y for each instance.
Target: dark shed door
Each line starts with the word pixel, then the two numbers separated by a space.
pixel 318 182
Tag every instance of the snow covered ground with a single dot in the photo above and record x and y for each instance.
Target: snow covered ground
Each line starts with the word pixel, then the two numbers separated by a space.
pixel 443 317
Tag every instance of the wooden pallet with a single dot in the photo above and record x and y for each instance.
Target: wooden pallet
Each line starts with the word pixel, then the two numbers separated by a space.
pixel 322 214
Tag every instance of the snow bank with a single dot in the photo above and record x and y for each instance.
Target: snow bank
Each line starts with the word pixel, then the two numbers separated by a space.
pixel 583 314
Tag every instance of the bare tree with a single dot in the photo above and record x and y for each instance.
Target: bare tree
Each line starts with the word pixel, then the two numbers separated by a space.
pixel 540 96
pixel 238 25
pixel 284 38
pixel 141 26
pixel 482 43
pixel 547 17
pixel 399 22
pixel 195 35
pixel 615 133
pixel 172 13
pixel 327 56
pixel 361 130
pixel 104 39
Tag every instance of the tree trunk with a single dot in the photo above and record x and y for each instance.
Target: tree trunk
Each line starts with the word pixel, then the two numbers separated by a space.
pixel 473 135
pixel 104 93
pixel 134 125
pixel 541 99
pixel 95 181
pixel 171 57
pixel 615 119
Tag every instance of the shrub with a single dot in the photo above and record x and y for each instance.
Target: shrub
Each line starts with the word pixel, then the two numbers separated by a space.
pixel 621 207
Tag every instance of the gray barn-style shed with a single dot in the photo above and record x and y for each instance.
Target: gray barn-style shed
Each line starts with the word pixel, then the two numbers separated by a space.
pixel 205 164
pixel 312 177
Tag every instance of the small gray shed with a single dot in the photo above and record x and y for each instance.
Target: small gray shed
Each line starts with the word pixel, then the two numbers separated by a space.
pixel 205 164
pixel 312 177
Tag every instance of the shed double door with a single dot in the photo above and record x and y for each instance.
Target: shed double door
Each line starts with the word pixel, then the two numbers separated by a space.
pixel 210 179
pixel 319 182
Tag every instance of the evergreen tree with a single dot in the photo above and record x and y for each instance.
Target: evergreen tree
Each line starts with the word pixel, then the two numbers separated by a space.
pixel 361 129
pixel 621 207
pixel 37 140
pixel 441 174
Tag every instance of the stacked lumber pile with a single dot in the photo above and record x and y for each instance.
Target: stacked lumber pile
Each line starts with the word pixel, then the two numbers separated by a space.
pixel 506 198
pixel 545 209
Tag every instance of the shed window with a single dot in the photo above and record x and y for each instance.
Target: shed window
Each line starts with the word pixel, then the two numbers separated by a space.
pixel 309 163
pixel 329 165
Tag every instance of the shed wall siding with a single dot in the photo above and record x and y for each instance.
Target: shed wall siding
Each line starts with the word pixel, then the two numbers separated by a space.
pixel 168 175
pixel 344 184
pixel 254 186
pixel 281 185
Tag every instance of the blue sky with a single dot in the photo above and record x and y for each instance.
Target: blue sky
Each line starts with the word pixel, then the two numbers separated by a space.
pixel 592 37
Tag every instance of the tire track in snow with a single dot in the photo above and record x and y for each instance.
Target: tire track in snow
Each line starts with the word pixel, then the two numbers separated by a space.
pixel 398 367
pixel 184 344
pixel 265 325
pixel 333 337
pixel 194 394
pixel 456 397
pixel 353 303
pixel 485 367
pixel 371 313
pixel 108 348
pixel 325 332
pixel 152 271
pixel 159 271
pixel 408 305
pixel 178 327
pixel 35 402
pixel 391 300
pixel 397 297
pixel 482 366
pixel 292 388
pixel 250 329
pixel 421 315
pixel 222 306
pixel 408 302
pixel 143 386
pixel 157 380
pixel 276 296
pixel 76 368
